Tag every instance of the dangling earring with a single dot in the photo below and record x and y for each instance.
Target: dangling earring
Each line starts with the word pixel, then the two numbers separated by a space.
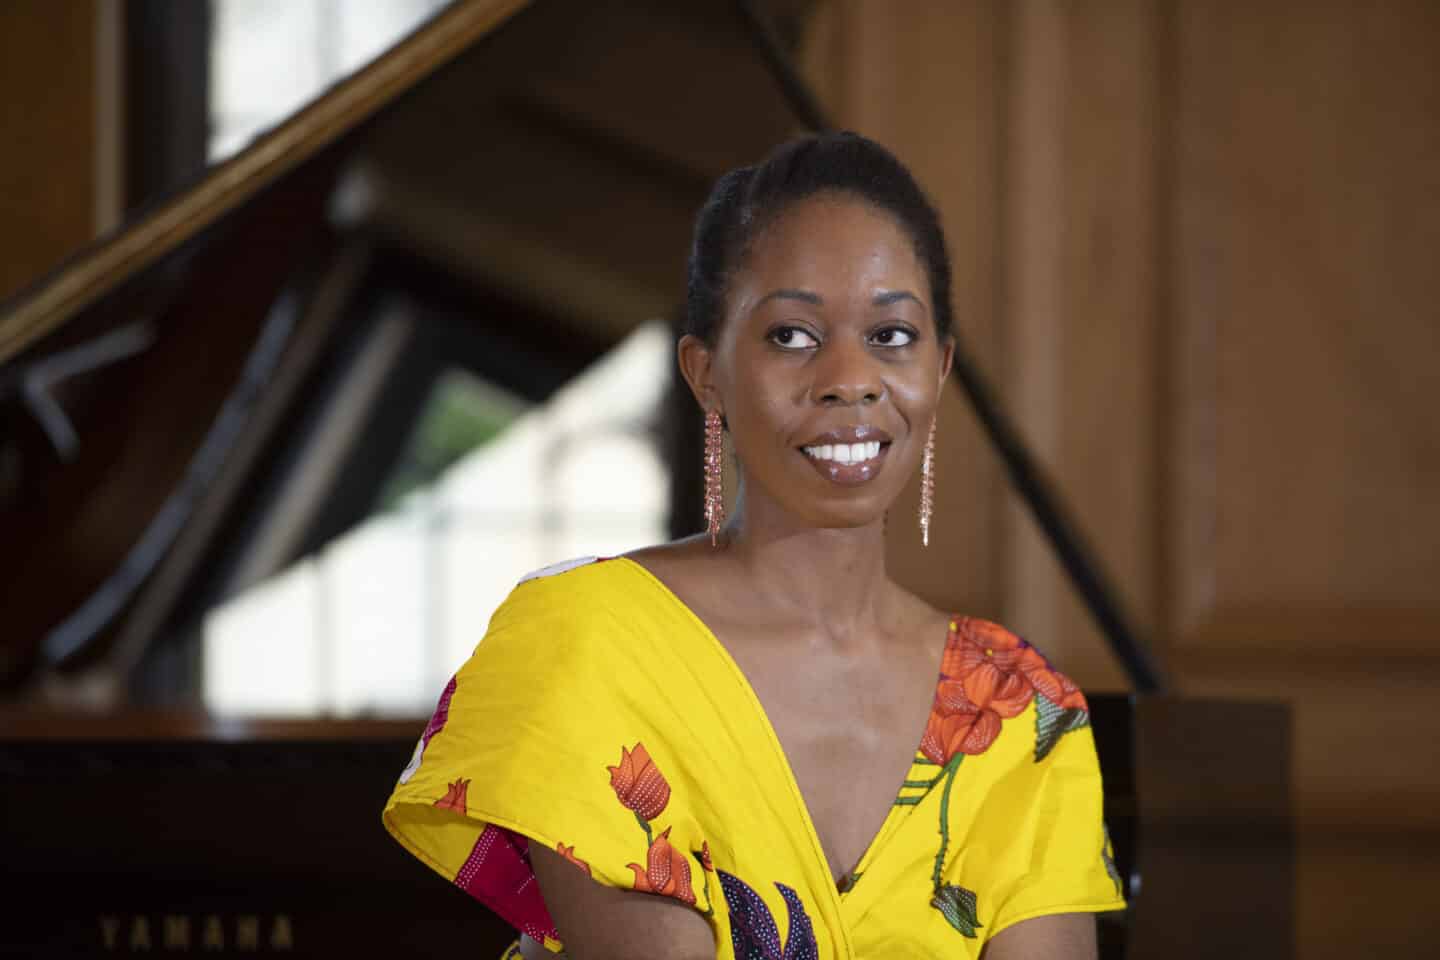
pixel 927 486
pixel 714 454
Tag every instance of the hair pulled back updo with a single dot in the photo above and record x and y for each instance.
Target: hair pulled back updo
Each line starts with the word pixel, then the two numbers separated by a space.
pixel 746 200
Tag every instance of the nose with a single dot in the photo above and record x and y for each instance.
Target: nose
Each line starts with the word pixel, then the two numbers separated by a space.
pixel 846 375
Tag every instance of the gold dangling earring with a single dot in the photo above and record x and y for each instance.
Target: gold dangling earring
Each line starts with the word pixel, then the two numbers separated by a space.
pixel 714 454
pixel 927 486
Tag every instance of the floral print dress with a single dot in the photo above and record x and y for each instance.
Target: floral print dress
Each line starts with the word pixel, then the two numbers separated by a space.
pixel 601 718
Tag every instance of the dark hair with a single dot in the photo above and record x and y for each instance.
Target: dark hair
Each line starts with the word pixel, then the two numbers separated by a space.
pixel 746 200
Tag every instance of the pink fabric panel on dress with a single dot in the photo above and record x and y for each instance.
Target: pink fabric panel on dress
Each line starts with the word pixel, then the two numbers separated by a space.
pixel 498 874
pixel 441 714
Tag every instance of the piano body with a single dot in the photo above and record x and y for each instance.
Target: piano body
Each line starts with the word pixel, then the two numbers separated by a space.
pixel 171 833
pixel 135 820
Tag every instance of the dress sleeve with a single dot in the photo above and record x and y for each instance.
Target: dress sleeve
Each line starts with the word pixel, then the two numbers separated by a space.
pixel 546 735
pixel 1067 865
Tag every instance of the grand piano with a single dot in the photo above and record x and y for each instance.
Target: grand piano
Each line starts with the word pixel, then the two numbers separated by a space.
pixel 158 391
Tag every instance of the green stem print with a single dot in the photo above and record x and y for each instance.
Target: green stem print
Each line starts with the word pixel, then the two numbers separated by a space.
pixel 645 825
pixel 927 784
pixel 924 786
pixel 957 904
pixel 709 910
pixel 949 774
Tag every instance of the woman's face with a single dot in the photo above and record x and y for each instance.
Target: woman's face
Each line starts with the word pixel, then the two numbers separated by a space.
pixel 827 365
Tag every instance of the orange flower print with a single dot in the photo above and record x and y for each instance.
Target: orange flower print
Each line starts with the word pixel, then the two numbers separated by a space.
pixel 990 664
pixel 569 854
pixel 987 675
pixel 666 872
pixel 704 857
pixel 965 729
pixel 454 798
pixel 1052 684
pixel 638 783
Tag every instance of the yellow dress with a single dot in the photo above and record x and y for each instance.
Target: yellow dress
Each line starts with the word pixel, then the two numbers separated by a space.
pixel 601 718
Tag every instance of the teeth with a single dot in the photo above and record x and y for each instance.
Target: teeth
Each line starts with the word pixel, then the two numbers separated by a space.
pixel 845 452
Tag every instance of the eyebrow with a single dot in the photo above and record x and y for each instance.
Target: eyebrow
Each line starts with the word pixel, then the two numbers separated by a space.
pixel 789 293
pixel 884 299
pixel 895 296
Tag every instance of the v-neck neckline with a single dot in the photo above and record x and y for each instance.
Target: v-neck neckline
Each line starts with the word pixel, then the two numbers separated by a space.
pixel 838 896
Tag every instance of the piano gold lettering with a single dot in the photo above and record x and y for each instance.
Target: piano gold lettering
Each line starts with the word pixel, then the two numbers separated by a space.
pixel 177 932
pixel 282 935
pixel 139 934
pixel 214 933
pixel 247 932
pixel 183 933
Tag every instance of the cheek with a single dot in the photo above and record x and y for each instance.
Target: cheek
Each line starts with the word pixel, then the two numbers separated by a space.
pixel 917 399
pixel 763 415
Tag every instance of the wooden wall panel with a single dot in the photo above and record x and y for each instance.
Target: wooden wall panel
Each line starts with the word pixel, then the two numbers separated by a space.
pixel 1078 318
pixel 49 101
pixel 1309 309
pixel 925 83
pixel 1032 126
pixel 1307 305
pixel 1213 306
pixel 1303 449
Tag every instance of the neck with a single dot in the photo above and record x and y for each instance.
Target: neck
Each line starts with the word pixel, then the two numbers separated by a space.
pixel 832 579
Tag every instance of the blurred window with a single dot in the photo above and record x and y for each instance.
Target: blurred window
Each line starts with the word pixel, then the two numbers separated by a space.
pixel 271 57
pixel 489 488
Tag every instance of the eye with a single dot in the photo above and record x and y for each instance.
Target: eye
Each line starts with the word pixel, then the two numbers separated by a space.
pixel 893 337
pixel 792 338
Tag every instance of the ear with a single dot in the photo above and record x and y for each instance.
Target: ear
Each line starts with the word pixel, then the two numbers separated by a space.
pixel 947 357
pixel 697 366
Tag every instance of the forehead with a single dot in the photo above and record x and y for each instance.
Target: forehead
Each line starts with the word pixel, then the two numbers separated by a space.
pixel 833 241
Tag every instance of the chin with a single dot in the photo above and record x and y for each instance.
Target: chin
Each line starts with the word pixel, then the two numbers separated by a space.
pixel 847 516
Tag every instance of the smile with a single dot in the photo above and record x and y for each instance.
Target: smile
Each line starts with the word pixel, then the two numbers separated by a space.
pixel 844 452
pixel 849 456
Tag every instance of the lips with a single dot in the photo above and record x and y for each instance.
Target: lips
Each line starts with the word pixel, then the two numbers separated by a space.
pixel 849 455
pixel 858 433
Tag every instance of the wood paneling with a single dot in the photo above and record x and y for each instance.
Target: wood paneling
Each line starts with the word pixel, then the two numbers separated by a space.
pixel 1305 450
pixel 1032 127
pixel 1308 175
pixel 48 106
pixel 1211 298
pixel 884 75
pixel 1078 319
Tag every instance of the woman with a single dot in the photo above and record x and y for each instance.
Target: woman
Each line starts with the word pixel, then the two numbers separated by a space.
pixel 694 750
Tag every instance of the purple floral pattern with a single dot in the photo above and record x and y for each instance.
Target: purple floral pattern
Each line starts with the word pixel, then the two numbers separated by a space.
pixel 753 932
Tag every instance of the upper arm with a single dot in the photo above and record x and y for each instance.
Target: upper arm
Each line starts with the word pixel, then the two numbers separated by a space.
pixel 597 922
pixel 1059 936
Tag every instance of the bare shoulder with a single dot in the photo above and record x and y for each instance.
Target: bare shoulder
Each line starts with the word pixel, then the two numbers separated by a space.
pixel 690 567
pixel 919 618
pixel 677 554
pixel 674 558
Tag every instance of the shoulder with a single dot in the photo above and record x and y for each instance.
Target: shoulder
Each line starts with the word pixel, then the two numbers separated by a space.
pixel 918 619
pixel 556 569
pixel 601 599
pixel 978 646
pixel 572 584
pixel 998 690
pixel 685 565
pixel 569 601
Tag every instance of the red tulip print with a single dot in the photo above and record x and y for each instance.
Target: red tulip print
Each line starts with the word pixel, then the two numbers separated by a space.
pixel 638 783
pixel 666 871
pixel 454 798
